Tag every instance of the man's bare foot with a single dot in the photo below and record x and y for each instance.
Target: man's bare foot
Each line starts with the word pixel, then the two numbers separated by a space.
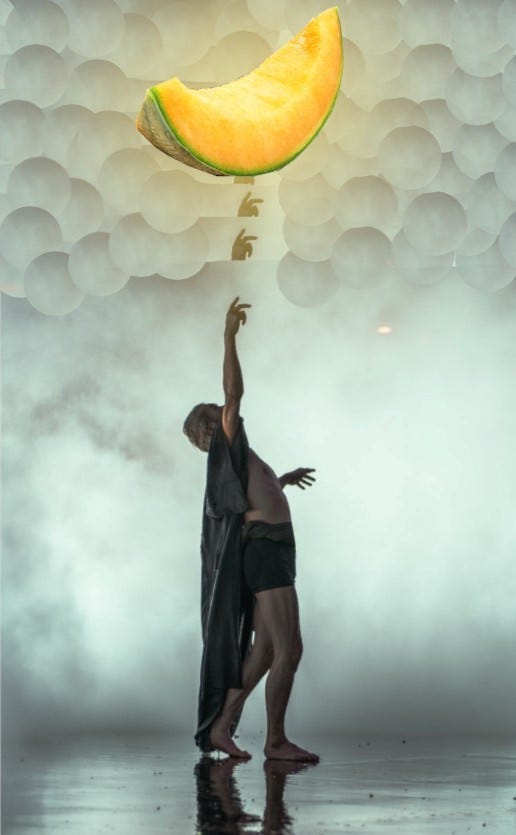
pixel 221 741
pixel 288 751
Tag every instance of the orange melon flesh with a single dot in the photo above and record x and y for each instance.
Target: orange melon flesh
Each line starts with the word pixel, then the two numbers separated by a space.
pixel 261 121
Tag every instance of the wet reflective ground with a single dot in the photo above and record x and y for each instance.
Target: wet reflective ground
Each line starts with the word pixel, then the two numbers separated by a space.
pixel 161 784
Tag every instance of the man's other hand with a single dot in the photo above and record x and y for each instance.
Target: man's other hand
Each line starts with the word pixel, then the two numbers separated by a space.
pixel 300 477
pixel 235 315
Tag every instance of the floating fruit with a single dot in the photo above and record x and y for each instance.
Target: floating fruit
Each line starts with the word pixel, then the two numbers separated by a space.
pixel 259 122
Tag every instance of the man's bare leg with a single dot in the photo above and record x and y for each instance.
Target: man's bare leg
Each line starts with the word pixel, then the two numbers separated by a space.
pixel 280 609
pixel 255 665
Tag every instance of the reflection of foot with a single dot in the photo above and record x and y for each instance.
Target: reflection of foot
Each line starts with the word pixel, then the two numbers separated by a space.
pixel 288 751
pixel 284 768
pixel 221 741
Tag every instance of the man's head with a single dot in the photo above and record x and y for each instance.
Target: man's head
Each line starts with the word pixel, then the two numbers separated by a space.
pixel 201 423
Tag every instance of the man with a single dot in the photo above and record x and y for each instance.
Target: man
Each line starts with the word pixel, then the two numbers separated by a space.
pixel 248 572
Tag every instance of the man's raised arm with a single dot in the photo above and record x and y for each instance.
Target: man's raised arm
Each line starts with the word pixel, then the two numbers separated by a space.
pixel 232 373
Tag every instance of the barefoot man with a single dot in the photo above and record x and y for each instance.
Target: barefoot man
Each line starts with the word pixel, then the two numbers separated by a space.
pixel 248 572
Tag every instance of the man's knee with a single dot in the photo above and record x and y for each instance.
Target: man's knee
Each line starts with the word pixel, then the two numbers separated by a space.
pixel 289 654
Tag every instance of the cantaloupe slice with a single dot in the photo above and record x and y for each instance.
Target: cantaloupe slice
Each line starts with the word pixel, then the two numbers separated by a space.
pixel 259 122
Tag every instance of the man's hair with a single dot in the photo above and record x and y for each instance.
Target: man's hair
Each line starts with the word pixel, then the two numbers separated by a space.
pixel 191 424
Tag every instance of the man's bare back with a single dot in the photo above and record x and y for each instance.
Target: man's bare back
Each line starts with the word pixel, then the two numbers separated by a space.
pixel 267 501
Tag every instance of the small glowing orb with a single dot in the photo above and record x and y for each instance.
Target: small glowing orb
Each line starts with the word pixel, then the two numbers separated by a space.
pixel 384 329
pixel 49 287
pixel 306 283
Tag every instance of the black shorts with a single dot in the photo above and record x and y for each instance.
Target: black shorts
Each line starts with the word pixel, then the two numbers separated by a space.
pixel 269 555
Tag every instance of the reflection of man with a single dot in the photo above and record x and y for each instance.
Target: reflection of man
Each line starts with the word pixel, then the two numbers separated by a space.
pixel 248 572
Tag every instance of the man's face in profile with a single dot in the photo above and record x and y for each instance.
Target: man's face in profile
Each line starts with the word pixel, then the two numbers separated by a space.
pixel 207 422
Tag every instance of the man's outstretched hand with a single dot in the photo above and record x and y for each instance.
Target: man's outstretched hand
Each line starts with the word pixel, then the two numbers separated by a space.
pixel 235 315
pixel 300 477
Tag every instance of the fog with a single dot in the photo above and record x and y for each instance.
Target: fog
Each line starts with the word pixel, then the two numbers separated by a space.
pixel 405 543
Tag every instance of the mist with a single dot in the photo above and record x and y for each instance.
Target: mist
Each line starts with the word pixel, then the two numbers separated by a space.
pixel 405 543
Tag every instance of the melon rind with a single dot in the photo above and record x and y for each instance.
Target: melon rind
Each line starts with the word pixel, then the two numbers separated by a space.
pixel 154 122
pixel 153 125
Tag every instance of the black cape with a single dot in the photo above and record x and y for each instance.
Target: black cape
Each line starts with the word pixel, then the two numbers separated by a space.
pixel 227 603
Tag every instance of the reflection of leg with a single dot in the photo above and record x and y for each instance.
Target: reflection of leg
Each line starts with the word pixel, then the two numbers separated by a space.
pixel 255 665
pixel 276 817
pixel 281 610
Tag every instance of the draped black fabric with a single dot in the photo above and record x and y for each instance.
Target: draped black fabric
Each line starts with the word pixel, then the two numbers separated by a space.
pixel 226 602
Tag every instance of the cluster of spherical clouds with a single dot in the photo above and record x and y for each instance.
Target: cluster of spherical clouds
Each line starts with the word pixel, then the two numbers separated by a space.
pixel 414 173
